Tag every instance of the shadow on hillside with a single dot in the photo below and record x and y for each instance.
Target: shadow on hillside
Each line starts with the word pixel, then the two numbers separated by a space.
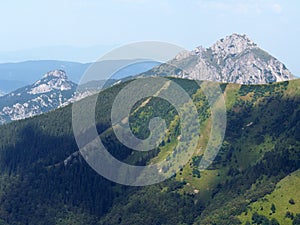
pixel 37 187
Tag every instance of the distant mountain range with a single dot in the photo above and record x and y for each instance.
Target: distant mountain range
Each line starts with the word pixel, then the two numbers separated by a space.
pixel 59 52
pixel 233 59
pixel 17 75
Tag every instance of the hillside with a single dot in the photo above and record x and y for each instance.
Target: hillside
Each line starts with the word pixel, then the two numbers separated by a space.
pixel 44 180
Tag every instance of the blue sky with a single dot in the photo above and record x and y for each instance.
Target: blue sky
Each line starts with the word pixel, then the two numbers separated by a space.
pixel 33 28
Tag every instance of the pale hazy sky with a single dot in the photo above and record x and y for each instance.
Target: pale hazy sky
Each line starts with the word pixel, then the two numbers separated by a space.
pixel 273 24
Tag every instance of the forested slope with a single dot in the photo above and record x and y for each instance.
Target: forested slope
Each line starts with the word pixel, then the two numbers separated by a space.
pixel 44 180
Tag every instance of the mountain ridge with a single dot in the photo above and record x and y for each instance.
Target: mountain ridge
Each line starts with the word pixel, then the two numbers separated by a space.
pixel 19 74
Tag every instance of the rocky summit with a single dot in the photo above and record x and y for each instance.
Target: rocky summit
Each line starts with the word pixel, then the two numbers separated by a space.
pixel 233 59
pixel 48 93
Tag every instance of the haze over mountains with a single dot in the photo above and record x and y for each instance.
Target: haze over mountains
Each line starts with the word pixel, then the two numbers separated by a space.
pixel 17 75
pixel 234 59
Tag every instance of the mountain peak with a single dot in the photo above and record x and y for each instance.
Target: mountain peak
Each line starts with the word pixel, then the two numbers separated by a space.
pixel 233 59
pixel 56 74
pixel 53 80
pixel 232 45
pixel 53 90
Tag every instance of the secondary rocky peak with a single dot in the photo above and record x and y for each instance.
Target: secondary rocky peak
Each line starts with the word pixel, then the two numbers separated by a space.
pixel 53 90
pixel 56 74
pixel 53 80
pixel 232 45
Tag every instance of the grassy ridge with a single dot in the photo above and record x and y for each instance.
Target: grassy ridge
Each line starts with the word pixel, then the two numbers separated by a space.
pixel 285 198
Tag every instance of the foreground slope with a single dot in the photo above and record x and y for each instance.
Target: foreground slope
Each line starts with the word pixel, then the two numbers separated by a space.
pixel 44 180
pixel 283 204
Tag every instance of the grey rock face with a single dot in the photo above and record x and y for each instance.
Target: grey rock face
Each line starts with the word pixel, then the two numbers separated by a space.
pixel 234 59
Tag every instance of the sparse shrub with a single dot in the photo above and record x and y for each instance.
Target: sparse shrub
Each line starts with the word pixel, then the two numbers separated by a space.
pixel 296 220
pixel 291 201
pixel 273 208
pixel 274 222
pixel 289 215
